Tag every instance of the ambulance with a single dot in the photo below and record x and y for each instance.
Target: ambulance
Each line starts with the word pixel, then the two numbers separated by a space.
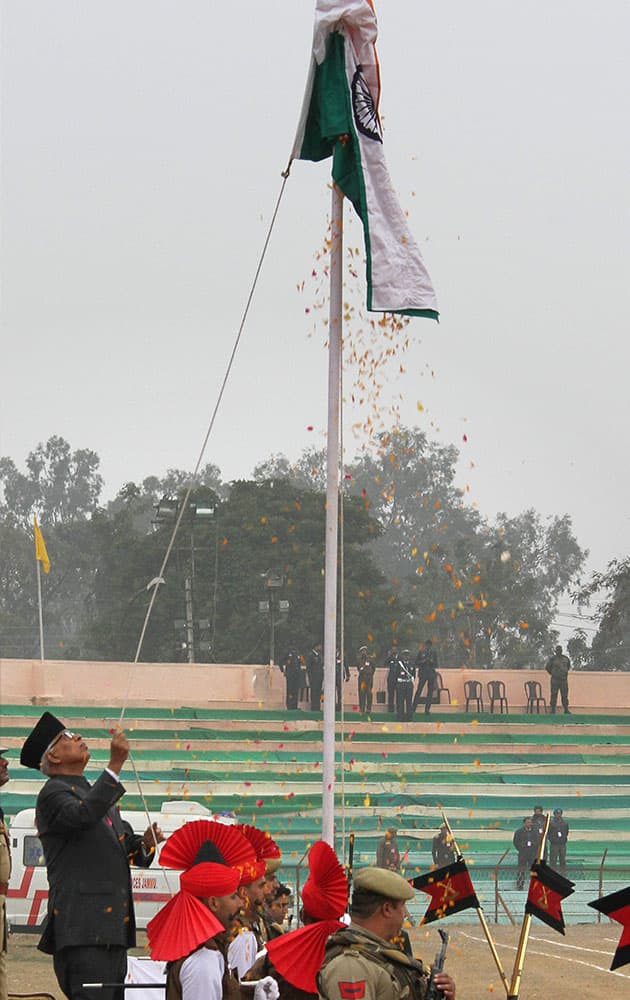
pixel 27 898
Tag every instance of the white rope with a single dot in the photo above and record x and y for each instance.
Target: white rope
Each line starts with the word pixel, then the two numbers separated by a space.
pixel 154 584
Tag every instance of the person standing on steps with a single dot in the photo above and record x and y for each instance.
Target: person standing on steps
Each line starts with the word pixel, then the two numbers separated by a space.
pixel 426 668
pixel 558 667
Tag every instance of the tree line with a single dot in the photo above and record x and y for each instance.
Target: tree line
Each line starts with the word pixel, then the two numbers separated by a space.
pixel 247 567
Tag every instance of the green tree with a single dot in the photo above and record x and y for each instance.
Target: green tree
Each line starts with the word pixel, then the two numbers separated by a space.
pixel 307 473
pixel 610 649
pixel 526 564
pixel 579 651
pixel 60 485
pixel 481 591
pixel 272 525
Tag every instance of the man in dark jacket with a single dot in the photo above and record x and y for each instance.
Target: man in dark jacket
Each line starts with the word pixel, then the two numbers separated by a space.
pixel 365 669
pixel 426 668
pixel 558 667
pixel 442 849
pixel 539 821
pixel 526 843
pixel 391 662
pixel 315 671
pixel 404 687
pixel 88 848
pixel 387 851
pixel 292 670
pixel 558 836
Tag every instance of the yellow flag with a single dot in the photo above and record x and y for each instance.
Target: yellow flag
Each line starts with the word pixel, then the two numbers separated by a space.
pixel 40 548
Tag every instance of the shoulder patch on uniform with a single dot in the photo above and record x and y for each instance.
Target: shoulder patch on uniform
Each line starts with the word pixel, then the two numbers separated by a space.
pixel 352 991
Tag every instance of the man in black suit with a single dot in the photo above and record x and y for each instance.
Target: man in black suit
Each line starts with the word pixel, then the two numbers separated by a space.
pixel 88 848
pixel 315 671
pixel 426 667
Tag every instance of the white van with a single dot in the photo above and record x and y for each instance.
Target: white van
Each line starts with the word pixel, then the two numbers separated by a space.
pixel 27 898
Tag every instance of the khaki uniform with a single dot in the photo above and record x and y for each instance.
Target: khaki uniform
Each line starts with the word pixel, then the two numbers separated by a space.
pixel 360 966
pixel 5 873
pixel 558 668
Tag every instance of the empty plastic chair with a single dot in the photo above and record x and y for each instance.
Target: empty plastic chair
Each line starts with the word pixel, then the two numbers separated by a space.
pixel 496 694
pixel 534 695
pixel 473 692
pixel 439 689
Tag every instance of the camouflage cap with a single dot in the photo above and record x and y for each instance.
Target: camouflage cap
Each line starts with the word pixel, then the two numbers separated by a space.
pixel 386 883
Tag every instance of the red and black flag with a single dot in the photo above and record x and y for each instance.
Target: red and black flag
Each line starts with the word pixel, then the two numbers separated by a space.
pixel 450 889
pixel 617 907
pixel 547 889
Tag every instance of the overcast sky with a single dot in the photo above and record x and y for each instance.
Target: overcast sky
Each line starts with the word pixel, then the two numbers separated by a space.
pixel 142 144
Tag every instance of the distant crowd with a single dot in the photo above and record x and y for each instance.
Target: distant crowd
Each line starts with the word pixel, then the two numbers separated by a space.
pixel 412 681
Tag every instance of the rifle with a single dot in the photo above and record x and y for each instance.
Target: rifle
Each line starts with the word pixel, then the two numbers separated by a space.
pixel 433 991
pixel 350 862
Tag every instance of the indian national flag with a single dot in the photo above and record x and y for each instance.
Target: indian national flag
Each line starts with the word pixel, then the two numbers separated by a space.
pixel 340 119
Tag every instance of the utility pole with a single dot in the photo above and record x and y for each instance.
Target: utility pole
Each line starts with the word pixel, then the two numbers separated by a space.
pixel 190 628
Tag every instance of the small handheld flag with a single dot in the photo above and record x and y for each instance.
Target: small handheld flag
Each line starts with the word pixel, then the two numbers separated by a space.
pixel 617 907
pixel 450 889
pixel 547 889
pixel 40 547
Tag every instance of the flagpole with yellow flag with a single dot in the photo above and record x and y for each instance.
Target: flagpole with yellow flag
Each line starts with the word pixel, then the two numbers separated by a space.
pixel 43 562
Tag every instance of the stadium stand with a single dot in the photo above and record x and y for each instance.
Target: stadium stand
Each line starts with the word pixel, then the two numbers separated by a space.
pixel 485 772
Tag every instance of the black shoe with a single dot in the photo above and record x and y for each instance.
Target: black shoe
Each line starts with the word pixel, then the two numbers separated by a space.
pixel 567 712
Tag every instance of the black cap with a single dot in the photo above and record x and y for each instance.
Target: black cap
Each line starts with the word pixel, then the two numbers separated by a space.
pixel 42 736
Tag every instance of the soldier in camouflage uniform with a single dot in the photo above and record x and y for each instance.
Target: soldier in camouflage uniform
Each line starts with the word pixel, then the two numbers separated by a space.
pixel 360 962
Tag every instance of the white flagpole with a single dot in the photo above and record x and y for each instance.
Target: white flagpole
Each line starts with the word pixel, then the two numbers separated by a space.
pixel 41 617
pixel 332 515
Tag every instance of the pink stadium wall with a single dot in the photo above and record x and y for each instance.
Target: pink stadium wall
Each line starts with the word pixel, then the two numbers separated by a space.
pixel 71 682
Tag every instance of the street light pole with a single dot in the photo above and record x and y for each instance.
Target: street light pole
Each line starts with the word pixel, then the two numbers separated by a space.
pixel 272 629
pixel 273 581
pixel 167 510
pixel 190 626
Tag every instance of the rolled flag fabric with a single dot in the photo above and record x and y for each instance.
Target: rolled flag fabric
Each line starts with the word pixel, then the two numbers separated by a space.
pixel 340 118
pixel 450 889
pixel 298 955
pixel 207 840
pixel 617 907
pixel 185 922
pixel 547 889
pixel 265 846
pixel 325 892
